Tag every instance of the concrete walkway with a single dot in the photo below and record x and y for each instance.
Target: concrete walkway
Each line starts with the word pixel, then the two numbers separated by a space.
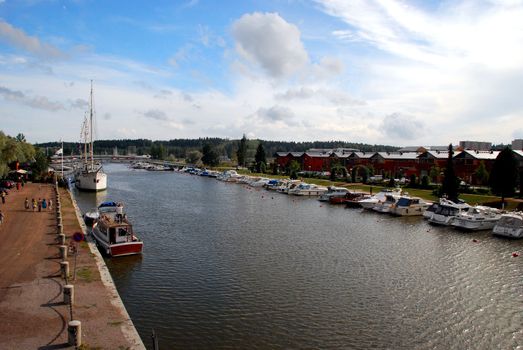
pixel 32 314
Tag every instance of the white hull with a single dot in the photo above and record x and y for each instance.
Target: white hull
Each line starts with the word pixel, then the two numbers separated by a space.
pixel 439 219
pixel 91 180
pixel 510 225
pixel 368 204
pixel 409 211
pixel 474 225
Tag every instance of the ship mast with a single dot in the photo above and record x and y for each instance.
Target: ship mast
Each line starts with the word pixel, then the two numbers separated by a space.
pixel 91 151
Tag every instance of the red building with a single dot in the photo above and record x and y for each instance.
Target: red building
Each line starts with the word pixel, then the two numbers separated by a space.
pixel 467 162
pixel 395 164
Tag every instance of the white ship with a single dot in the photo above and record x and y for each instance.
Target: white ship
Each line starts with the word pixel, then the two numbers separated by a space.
pixel 90 176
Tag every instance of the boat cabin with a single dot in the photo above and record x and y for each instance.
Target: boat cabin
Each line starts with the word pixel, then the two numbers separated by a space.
pixel 115 229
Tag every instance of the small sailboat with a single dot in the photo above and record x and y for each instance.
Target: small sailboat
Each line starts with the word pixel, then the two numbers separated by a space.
pixel 90 176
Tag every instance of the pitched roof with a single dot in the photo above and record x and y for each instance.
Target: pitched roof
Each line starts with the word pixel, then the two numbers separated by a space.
pixel 483 155
pixel 363 155
pixel 398 155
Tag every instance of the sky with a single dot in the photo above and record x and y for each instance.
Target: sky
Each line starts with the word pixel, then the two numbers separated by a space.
pixel 411 72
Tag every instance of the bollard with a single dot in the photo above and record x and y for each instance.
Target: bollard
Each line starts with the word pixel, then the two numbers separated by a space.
pixel 61 239
pixel 63 252
pixel 74 333
pixel 64 268
pixel 60 228
pixel 69 294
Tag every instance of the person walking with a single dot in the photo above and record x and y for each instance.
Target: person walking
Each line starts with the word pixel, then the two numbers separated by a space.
pixel 26 204
pixel 34 204
pixel 44 204
pixel 1 217
pixel 3 197
pixel 39 204
pixel 50 204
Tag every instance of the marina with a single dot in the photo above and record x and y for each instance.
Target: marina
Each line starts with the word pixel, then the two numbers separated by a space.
pixel 229 265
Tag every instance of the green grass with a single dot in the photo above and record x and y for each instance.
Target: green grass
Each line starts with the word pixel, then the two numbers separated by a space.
pixel 85 274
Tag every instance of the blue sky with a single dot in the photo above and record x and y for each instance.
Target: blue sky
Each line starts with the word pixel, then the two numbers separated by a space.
pixel 374 71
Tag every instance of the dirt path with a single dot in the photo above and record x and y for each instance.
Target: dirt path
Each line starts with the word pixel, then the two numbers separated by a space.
pixel 32 315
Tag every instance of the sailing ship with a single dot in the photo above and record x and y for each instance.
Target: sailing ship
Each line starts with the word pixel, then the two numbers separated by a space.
pixel 90 176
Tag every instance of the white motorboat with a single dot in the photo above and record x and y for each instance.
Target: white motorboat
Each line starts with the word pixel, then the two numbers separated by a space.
pixel 333 191
pixel 447 211
pixel 287 186
pixel 90 176
pixel 369 203
pixel 477 218
pixel 260 182
pixel 305 189
pixel 409 206
pixel 229 176
pixel 510 225
pixel 386 205
pixel 430 210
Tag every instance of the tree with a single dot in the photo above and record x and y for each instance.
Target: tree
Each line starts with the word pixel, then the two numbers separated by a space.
pixel 20 138
pixel 482 174
pixel 241 153
pixel 193 157
pixel 424 181
pixel 504 174
pixel 158 151
pixel 209 156
pixel 40 165
pixel 434 173
pixel 294 167
pixel 338 170
pixel 259 157
pixel 449 186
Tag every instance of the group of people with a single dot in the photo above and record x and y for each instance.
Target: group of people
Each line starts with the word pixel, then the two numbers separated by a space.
pixel 40 204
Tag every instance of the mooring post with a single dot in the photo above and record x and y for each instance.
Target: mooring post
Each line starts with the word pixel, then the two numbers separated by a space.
pixel 61 239
pixel 69 294
pixel 74 333
pixel 60 228
pixel 64 268
pixel 63 252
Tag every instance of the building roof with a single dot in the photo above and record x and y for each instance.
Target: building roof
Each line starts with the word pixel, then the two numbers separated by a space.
pixel 518 153
pixel 438 154
pixel 363 155
pixel 398 155
pixel 483 155
pixel 317 155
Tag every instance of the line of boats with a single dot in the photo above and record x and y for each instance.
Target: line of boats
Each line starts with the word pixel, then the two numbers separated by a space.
pixel 392 201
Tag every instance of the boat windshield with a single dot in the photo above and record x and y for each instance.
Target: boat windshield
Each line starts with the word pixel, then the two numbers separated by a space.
pixel 404 202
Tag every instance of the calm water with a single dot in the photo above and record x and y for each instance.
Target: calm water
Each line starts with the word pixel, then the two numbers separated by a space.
pixel 227 266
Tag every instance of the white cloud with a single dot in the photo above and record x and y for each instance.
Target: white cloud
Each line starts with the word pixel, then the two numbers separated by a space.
pixel 37 102
pixel 402 127
pixel 21 40
pixel 269 41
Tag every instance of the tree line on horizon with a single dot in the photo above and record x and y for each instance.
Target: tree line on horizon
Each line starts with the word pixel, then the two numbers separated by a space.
pixel 225 148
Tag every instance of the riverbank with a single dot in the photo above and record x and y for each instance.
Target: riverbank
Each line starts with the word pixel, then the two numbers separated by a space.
pixel 31 289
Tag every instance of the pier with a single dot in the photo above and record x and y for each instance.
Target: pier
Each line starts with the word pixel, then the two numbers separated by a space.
pixel 33 279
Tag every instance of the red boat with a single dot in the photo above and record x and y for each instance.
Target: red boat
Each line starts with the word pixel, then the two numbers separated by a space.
pixel 114 233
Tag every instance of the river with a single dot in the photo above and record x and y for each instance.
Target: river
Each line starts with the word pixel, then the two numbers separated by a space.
pixel 228 266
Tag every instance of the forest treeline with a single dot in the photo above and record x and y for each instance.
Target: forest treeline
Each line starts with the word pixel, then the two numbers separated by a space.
pixel 180 148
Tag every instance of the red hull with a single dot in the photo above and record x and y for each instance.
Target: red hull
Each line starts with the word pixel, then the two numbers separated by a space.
pixel 127 249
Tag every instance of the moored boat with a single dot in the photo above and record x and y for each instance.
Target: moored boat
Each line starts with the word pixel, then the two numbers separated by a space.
pixel 305 189
pixel 369 203
pixel 333 191
pixel 447 211
pixel 510 225
pixel 477 218
pixel 409 206
pixel 386 205
pixel 114 233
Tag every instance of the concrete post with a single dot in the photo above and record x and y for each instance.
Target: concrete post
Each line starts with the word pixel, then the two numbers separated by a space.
pixel 69 294
pixel 63 252
pixel 74 333
pixel 61 239
pixel 60 228
pixel 64 268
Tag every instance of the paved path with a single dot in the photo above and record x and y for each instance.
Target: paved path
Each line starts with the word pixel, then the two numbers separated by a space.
pixel 32 315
